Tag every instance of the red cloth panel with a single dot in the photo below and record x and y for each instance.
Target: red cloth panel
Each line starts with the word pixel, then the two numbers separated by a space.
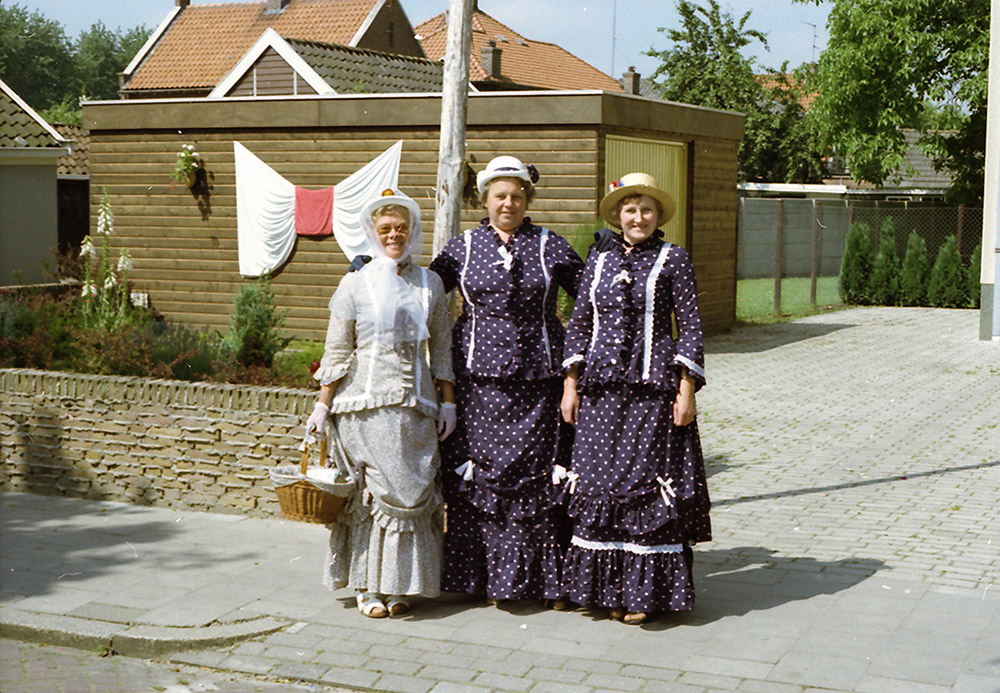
pixel 313 212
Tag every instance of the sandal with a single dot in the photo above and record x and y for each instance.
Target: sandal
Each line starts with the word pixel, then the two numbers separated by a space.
pixel 617 613
pixel 494 601
pixel 558 604
pixel 635 618
pixel 397 604
pixel 370 605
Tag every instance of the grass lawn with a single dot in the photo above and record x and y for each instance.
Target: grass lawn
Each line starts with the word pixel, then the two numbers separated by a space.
pixel 755 298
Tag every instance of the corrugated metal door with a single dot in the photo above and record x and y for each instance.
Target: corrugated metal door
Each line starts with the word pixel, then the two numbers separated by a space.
pixel 665 161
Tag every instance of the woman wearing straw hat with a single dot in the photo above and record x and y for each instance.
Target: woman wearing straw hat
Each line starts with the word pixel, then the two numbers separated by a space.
pixel 638 495
pixel 505 533
pixel 386 365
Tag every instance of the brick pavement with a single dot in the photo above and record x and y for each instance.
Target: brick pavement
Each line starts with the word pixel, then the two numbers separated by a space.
pixel 854 469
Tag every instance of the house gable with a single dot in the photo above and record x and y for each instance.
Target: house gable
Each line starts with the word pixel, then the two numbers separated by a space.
pixel 21 129
pixel 278 65
pixel 202 43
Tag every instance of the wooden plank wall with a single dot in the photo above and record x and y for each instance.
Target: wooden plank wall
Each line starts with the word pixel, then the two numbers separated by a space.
pixel 184 245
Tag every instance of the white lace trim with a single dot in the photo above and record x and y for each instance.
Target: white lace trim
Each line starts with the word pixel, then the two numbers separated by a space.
pixel 595 328
pixel 650 301
pixel 571 360
pixel 626 546
pixel 545 297
pixel 468 300
pixel 691 365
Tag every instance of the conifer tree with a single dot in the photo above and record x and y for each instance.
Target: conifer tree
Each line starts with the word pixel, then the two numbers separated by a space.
pixel 884 289
pixel 914 275
pixel 972 287
pixel 856 266
pixel 947 285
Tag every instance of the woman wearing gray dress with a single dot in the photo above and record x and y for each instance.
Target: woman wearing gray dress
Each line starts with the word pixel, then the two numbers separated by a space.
pixel 386 367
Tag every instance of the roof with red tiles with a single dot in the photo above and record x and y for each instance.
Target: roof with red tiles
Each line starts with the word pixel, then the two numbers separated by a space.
pixel 204 42
pixel 76 164
pixel 523 61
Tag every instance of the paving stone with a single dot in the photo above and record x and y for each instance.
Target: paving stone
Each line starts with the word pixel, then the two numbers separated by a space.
pixel 404 684
pixel 501 682
pixel 355 678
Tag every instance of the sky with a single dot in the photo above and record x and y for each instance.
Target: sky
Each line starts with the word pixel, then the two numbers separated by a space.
pixel 609 34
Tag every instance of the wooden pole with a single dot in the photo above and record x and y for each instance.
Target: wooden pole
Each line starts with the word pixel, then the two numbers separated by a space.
pixel 454 112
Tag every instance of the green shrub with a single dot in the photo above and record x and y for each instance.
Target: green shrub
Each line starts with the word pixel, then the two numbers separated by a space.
pixel 36 332
pixel 884 287
pixel 947 285
pixel 972 287
pixel 185 354
pixel 291 366
pixel 255 329
pixel 913 276
pixel 856 266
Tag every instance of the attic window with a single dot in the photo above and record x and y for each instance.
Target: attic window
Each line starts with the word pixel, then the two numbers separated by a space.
pixel 521 41
pixel 500 36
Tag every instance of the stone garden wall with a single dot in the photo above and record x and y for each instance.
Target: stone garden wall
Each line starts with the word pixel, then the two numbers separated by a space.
pixel 196 446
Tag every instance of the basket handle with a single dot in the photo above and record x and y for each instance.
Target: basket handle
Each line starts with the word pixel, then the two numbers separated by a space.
pixel 305 455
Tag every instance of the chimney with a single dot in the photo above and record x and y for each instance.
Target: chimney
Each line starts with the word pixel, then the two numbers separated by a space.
pixel 182 3
pixel 275 6
pixel 491 60
pixel 630 80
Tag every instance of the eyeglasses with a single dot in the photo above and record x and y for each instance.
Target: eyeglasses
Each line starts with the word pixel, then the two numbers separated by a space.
pixel 386 229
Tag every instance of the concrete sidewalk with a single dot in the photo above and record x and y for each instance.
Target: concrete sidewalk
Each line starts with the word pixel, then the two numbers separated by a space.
pixel 854 463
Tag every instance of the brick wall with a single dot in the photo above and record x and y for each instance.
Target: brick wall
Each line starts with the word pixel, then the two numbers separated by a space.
pixel 197 446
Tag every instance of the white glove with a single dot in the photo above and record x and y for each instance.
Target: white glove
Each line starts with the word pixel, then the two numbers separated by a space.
pixel 447 419
pixel 317 421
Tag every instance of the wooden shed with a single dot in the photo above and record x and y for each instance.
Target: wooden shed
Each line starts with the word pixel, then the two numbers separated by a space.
pixel 184 242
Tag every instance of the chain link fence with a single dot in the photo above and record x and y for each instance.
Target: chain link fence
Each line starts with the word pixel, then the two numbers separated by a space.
pixel 790 250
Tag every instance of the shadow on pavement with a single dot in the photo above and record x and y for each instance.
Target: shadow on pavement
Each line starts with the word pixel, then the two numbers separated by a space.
pixel 737 581
pixel 849 484
pixel 749 338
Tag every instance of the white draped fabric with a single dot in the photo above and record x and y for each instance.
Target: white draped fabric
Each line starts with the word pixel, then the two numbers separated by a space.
pixel 265 208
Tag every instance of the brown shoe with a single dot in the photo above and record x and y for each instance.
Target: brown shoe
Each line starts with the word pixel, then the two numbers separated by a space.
pixel 635 618
pixel 559 604
pixel 617 614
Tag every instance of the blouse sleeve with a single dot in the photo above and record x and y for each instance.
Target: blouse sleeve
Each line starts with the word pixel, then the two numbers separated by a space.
pixel 438 324
pixel 690 351
pixel 581 323
pixel 341 335
pixel 448 263
pixel 568 267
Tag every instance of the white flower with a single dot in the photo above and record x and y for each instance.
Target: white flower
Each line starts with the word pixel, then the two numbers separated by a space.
pixel 110 281
pixel 124 261
pixel 88 290
pixel 87 247
pixel 105 221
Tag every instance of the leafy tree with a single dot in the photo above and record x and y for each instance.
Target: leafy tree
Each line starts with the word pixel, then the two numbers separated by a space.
pixel 856 265
pixel 101 54
pixel 705 68
pixel 885 271
pixel 36 58
pixel 51 74
pixel 885 61
pixel 913 276
pixel 947 285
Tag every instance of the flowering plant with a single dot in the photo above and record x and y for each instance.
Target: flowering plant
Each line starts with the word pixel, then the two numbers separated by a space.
pixel 105 295
pixel 188 164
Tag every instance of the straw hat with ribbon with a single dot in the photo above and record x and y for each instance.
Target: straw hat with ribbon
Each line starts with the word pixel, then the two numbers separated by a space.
pixel 637 184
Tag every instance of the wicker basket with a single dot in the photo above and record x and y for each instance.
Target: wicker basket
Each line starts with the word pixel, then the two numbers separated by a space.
pixel 305 499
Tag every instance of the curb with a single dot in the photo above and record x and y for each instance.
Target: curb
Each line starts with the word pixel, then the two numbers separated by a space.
pixel 136 640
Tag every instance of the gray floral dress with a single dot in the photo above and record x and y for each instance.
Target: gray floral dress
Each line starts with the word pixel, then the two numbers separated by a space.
pixel 388 539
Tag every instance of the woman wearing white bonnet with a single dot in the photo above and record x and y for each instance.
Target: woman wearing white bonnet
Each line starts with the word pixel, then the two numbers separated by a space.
pixel 386 381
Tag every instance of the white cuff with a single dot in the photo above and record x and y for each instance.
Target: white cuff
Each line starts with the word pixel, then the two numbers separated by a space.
pixel 571 360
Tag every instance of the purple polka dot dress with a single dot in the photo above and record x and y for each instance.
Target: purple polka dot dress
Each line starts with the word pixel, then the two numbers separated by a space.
pixel 506 532
pixel 637 488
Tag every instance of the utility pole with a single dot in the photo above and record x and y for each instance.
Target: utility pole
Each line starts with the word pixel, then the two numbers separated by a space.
pixel 454 113
pixel 989 271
